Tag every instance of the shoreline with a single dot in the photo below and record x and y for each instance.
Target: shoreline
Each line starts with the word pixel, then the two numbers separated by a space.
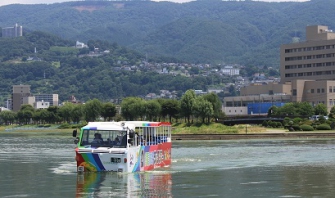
pixel 265 135
pixel 268 134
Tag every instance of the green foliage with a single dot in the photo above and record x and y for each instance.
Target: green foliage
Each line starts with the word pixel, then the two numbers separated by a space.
pixel 297 120
pixel 203 109
pixel 323 127
pixel 64 126
pixel 302 109
pixel 279 124
pixel 200 31
pixel 152 109
pixel 320 109
pixel 264 123
pixel 197 128
pixel 108 111
pixel 306 128
pixel 187 104
pixel 296 128
pixel 170 108
pixel 132 108
pixel 92 110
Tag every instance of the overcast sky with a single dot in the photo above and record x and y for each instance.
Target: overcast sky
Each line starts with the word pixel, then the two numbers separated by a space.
pixel 6 2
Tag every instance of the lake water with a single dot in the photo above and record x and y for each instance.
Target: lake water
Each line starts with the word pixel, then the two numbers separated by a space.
pixel 44 166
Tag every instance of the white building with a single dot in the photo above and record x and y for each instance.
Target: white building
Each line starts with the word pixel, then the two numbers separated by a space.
pixel 41 105
pixel 230 71
pixel 80 45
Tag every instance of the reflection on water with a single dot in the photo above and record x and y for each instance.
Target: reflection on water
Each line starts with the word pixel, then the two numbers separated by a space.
pixel 124 185
pixel 44 166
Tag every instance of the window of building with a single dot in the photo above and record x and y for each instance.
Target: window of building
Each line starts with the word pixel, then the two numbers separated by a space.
pixel 330 89
pixel 331 102
pixel 318 90
pixel 294 92
pixel 322 90
pixel 312 90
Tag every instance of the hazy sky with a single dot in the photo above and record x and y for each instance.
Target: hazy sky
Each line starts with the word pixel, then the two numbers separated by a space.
pixel 6 2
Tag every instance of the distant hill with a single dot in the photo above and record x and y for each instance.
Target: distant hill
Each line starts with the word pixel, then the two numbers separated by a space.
pixel 247 32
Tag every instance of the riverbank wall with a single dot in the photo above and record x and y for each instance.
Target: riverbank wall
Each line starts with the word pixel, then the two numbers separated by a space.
pixel 284 135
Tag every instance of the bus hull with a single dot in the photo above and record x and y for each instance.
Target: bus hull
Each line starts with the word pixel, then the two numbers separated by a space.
pixel 141 158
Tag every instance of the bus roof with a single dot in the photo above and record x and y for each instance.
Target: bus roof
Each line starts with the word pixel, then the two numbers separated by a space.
pixel 146 123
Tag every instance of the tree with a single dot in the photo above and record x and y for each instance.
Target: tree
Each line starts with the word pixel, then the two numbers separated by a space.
pixel 65 111
pixel 332 112
pixel 77 113
pixel 305 109
pixel 7 117
pixel 171 108
pixel 202 108
pixel 108 111
pixel 320 109
pixel 132 108
pixel 25 113
pixel 152 109
pixel 54 116
pixel 216 103
pixel 92 110
pixel 186 104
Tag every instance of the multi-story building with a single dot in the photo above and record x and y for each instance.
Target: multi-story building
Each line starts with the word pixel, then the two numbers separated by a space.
pixel 307 71
pixel 230 71
pixel 313 59
pixel 19 95
pixel 15 31
pixel 51 98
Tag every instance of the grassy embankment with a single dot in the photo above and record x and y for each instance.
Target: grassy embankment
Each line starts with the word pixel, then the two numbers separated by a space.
pixel 214 128
pixel 177 128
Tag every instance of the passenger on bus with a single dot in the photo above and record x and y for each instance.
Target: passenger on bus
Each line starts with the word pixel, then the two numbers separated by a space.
pixel 97 138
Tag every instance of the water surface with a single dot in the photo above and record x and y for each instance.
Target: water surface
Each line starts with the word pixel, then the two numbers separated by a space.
pixel 44 166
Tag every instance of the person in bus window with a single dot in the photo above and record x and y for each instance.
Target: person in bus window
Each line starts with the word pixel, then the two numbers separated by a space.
pixel 117 141
pixel 97 138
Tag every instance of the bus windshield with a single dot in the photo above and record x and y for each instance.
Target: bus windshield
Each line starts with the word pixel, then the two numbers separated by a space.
pixel 104 138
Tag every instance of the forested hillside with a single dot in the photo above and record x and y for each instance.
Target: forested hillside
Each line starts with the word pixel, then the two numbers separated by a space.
pixel 247 32
pixel 58 67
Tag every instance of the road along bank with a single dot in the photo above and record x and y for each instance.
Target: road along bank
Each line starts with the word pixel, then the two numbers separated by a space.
pixel 291 135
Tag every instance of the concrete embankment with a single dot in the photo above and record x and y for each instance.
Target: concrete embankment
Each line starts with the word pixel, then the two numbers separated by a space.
pixel 291 135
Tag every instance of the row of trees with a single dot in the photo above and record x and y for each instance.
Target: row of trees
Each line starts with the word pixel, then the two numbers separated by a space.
pixel 301 109
pixel 190 106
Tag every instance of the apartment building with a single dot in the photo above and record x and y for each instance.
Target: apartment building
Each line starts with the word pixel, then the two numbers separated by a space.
pixel 19 96
pixel 313 59
pixel 52 99
pixel 307 71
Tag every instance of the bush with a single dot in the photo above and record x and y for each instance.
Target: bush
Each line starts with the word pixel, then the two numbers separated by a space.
pixel 279 125
pixel 273 124
pixel 296 127
pixel 306 128
pixel 265 123
pixel 65 126
pixel 297 120
pixel 323 127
